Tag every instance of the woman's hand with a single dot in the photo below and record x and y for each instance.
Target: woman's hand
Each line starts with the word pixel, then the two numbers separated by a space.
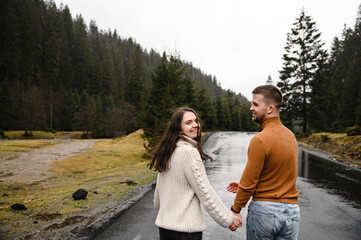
pixel 232 187
pixel 237 222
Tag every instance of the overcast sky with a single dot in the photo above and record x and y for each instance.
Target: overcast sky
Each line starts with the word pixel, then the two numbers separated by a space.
pixel 239 42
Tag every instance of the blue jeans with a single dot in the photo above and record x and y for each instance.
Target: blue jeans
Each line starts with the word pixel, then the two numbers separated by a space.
pixel 272 220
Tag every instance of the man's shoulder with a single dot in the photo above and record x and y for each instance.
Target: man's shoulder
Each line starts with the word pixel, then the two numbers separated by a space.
pixel 259 137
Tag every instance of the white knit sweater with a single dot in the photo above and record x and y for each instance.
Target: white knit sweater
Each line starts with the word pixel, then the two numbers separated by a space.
pixel 181 189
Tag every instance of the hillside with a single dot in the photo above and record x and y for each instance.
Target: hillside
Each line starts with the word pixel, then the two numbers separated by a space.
pixel 58 72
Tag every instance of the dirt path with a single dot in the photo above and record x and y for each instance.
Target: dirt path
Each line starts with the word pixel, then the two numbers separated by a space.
pixel 33 166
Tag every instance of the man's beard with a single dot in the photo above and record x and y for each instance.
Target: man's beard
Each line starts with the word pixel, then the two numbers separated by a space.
pixel 259 119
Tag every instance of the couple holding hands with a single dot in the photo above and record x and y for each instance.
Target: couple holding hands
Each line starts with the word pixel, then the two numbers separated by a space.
pixel 269 177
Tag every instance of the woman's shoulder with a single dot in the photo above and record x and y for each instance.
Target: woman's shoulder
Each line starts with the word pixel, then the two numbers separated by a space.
pixel 186 149
pixel 185 146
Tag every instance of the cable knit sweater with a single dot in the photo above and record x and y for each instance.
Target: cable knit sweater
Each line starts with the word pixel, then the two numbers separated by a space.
pixel 182 188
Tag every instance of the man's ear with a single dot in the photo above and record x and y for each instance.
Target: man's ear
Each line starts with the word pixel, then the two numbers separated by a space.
pixel 270 109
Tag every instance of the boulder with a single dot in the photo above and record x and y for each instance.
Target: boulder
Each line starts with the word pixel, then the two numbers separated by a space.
pixel 18 206
pixel 80 194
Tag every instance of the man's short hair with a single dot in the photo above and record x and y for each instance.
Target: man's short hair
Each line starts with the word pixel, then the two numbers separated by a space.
pixel 270 92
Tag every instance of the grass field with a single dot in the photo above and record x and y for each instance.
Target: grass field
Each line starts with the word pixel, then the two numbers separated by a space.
pixel 108 171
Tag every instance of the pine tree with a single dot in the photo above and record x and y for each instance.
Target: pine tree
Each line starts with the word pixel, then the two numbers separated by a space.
pixel 269 80
pixel 224 121
pixel 322 98
pixel 108 77
pixel 351 113
pixel 187 88
pixel 95 86
pixel 236 115
pixel 206 110
pixel 163 96
pixel 345 74
pixel 51 49
pixel 119 69
pixel 339 61
pixel 233 104
pixel 80 54
pixel 66 71
pixel 336 78
pixel 134 85
pixel 303 56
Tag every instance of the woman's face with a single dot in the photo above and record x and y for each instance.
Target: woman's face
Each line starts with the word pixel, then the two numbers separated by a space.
pixel 190 125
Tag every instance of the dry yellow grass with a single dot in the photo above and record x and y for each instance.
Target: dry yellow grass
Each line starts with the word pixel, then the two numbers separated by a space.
pixel 346 149
pixel 42 135
pixel 36 135
pixel 15 146
pixel 330 135
pixel 108 171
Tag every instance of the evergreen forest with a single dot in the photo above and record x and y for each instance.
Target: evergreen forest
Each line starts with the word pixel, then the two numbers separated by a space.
pixel 59 74
pixel 322 89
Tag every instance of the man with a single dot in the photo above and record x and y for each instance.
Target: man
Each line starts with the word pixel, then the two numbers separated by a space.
pixel 270 174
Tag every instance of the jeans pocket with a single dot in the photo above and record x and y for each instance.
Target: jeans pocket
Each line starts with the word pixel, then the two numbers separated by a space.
pixel 261 224
pixel 296 223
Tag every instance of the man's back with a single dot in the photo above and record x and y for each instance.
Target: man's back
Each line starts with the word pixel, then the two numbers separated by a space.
pixel 277 181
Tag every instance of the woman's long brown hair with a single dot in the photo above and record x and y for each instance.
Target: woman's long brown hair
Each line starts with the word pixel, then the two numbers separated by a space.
pixel 167 145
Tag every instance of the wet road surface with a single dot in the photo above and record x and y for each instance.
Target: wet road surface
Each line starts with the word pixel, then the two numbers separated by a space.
pixel 330 198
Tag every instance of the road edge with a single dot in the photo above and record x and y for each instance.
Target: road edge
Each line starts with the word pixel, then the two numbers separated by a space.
pixel 105 220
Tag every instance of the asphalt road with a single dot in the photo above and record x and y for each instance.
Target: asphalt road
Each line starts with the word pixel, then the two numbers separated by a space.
pixel 326 213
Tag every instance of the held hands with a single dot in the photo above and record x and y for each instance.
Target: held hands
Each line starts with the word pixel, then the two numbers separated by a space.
pixel 237 222
pixel 232 187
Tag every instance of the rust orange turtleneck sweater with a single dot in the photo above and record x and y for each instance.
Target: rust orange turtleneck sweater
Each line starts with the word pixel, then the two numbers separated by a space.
pixel 271 169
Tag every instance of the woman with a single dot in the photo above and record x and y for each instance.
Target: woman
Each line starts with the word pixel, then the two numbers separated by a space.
pixel 182 183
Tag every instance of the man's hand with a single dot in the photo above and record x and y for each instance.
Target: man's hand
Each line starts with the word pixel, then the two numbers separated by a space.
pixel 237 222
pixel 232 187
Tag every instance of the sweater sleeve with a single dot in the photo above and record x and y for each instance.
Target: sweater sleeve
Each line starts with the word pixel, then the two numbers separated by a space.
pixel 156 196
pixel 197 178
pixel 251 174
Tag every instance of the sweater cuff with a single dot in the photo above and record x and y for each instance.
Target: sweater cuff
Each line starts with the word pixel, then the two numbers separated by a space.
pixel 235 211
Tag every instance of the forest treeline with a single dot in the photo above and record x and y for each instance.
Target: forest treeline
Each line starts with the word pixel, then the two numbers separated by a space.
pixel 59 74
pixel 322 89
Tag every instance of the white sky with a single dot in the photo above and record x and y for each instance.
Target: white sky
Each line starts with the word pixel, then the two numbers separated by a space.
pixel 240 42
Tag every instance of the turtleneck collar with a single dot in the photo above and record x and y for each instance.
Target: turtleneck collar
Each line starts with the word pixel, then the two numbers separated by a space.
pixel 187 139
pixel 270 121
